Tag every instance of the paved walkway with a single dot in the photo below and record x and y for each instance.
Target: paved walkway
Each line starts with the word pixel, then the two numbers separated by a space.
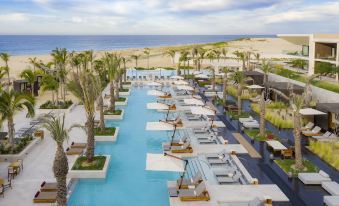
pixel 251 150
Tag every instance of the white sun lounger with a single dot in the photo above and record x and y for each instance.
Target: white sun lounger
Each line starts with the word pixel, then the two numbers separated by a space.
pixel 331 200
pixel 308 126
pixel 314 178
pixel 326 135
pixel 315 131
pixel 254 202
pixel 251 125
pixel 227 180
pixel 248 119
pixel 331 187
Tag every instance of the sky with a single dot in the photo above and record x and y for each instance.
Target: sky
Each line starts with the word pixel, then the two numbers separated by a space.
pixel 113 17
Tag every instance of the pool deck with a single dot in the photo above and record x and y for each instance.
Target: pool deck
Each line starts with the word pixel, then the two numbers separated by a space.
pixel 251 150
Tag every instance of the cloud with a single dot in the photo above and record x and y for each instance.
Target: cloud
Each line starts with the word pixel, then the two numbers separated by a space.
pixel 13 17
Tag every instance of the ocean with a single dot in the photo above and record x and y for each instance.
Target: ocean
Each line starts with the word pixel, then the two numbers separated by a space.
pixel 43 44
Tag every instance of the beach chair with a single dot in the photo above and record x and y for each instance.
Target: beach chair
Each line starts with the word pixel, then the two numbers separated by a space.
pixel 247 119
pixel 251 125
pixel 231 179
pixel 331 187
pixel 203 130
pixel 326 135
pixel 255 99
pixel 48 186
pixel 195 180
pixel 198 194
pixel 185 148
pixel 314 132
pixel 207 141
pixel 314 178
pixel 331 200
pixel 78 145
pixel 225 160
pixel 223 153
pixel 45 197
pixel 74 151
pixel 308 126
pixel 225 172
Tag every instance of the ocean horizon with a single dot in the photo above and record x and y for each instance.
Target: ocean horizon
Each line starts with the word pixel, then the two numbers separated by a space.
pixel 44 44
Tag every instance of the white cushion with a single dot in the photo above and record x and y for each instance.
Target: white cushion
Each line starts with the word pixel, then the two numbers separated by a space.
pixel 324 174
pixel 331 200
pixel 331 187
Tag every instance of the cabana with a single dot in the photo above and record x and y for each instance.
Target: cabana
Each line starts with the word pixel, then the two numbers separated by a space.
pixel 254 77
pixel 285 88
pixel 329 120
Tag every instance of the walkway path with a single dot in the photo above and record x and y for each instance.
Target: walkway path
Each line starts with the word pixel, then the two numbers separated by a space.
pixel 251 151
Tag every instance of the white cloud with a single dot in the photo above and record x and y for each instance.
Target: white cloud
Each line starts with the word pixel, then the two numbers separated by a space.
pixel 13 17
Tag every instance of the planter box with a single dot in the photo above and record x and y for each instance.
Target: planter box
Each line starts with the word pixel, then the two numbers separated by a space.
pixel 107 138
pixel 90 174
pixel 115 117
pixel 22 154
pixel 127 86
pixel 125 93
pixel 66 111
pixel 121 103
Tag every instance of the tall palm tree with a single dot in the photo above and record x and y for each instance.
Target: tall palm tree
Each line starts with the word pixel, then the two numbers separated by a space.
pixel 257 57
pixel 225 79
pixel 183 58
pixel 56 127
pixel 34 62
pixel 171 54
pixel 86 88
pixel 308 89
pixel 262 114
pixel 30 76
pixel 111 64
pixel 11 102
pixel 5 57
pixel 135 57
pixel 124 60
pixel 224 52
pixel 266 67
pixel 239 77
pixel 297 102
pixel 195 53
pixel 49 83
pixel 60 58
pixel 147 51
pixel 202 53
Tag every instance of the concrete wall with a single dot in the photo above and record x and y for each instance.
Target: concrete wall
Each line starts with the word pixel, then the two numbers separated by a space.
pixel 321 95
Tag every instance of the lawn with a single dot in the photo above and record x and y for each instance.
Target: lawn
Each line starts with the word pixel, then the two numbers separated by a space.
pixel 106 132
pixel 328 151
pixel 234 115
pixel 254 134
pixel 121 99
pixel 82 164
pixel 287 166
pixel 123 90
pixel 57 105
pixel 115 112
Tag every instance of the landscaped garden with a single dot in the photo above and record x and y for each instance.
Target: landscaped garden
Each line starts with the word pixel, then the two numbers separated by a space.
pixel 328 151
pixel 82 164
pixel 287 165
pixel 107 131
pixel 19 145
pixel 254 134
pixel 56 105
pixel 233 91
pixel 115 112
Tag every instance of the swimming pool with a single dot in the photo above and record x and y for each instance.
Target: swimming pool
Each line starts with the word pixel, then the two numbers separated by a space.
pixel 131 72
pixel 127 182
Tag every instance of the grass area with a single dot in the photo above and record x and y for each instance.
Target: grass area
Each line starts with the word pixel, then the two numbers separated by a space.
pixel 115 112
pixel 231 90
pixel 123 90
pixel 121 99
pixel 254 134
pixel 82 164
pixel 204 83
pixel 328 151
pixel 234 115
pixel 106 132
pixel 58 105
pixel 19 145
pixel 288 166
pixel 273 117
pixel 277 105
pixel 327 85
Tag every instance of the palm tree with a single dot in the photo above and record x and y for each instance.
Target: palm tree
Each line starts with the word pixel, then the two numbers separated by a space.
pixel 224 53
pixel 124 60
pixel 224 92
pixel 202 53
pixel 297 102
pixel 86 88
pixel 262 114
pixel 11 102
pixel 56 127
pixel 266 67
pixel 308 89
pixel 195 53
pixel 183 58
pixel 30 76
pixel 34 62
pixel 5 57
pixel 60 58
pixel 49 83
pixel 111 65
pixel 240 79
pixel 147 51
pixel 171 54
pixel 135 57
pixel 257 57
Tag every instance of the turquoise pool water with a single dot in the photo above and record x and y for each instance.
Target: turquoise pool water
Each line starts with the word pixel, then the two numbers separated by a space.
pixel 127 182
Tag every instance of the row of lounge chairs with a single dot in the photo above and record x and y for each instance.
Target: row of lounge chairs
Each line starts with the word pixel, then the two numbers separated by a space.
pixel 76 148
pixel 249 123
pixel 145 78
pixel 47 193
pixel 310 130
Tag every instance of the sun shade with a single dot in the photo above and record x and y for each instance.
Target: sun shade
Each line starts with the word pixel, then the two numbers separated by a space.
pixel 187 88
pixel 155 93
pixel 194 101
pixel 310 112
pixel 202 110
pixel 159 162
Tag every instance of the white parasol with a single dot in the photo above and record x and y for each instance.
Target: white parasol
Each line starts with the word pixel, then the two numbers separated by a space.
pixel 160 162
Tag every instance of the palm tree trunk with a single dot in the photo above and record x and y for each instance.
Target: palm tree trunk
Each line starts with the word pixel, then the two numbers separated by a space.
pixel 90 137
pixel 224 92
pixel 101 107
pixel 112 102
pixel 10 130
pixel 262 115
pixel 239 99
pixel 60 168
pixel 64 91
pixel 213 80
pixel 297 142
pixel 147 61
pixel 53 100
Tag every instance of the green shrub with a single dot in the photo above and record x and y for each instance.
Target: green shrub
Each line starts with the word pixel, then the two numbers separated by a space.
pixel 58 105
pixel 97 164
pixel 287 166
pixel 328 151
pixel 106 131
pixel 19 145
pixel 116 112
pixel 123 90
pixel 274 118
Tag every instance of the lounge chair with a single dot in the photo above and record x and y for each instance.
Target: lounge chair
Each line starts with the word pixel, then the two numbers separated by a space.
pixel 314 132
pixel 331 187
pixel 78 145
pixel 225 160
pixel 331 200
pixel 225 172
pixel 255 99
pixel 254 202
pixel 207 141
pixel 215 155
pixel 326 135
pixel 200 130
pixel 74 151
pixel 314 178
pixel 247 119
pixel 231 179
pixel 185 148
pixel 198 194
pixel 251 125
pixel 48 187
pixel 45 197
pixel 195 180
pixel 308 126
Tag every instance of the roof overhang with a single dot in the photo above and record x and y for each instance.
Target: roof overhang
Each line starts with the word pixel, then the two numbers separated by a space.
pixel 298 39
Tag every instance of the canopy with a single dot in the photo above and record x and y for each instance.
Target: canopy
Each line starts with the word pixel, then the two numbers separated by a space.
pixel 159 126
pixel 160 162
pixel 310 112
pixel 202 110
pixel 177 77
pixel 187 88
pixel 155 93
pixel 201 76
pixel 157 105
pixel 254 86
pixel 194 101
pixel 154 84
pixel 180 82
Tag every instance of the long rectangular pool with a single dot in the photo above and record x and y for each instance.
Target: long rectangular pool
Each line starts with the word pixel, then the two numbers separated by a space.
pixel 127 182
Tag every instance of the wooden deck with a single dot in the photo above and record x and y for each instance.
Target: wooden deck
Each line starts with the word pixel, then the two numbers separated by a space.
pixel 251 150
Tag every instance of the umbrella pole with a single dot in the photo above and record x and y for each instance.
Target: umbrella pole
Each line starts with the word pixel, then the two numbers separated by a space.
pixel 175 129
pixel 185 168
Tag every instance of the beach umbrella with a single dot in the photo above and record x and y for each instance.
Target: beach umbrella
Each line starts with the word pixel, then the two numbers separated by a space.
pixel 156 93
pixel 161 162
pixel 310 112
pixel 194 101
pixel 185 87
pixel 201 76
pixel 203 110
pixel 177 77
pixel 154 84
pixel 180 82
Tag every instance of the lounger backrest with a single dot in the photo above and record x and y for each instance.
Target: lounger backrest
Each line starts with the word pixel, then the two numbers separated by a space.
pixel 237 176
pixel 333 136
pixel 197 177
pixel 327 134
pixel 316 129
pixel 310 125
pixel 185 145
pixel 200 188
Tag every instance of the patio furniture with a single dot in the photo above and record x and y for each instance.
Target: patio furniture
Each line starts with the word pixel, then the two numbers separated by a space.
pixel 185 148
pixel 45 197
pixel 255 99
pixel 198 194
pixel 74 151
pixel 275 146
pixel 233 178
pixel 225 172
pixel 331 200
pixel 331 187
pixel 78 145
pixel 195 180
pixel 326 135
pixel 314 178
pixel 308 126
pixel 251 125
pixel 247 119
pixel 225 160
pixel 287 153
pixel 216 155
pixel 314 132
pixel 48 186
